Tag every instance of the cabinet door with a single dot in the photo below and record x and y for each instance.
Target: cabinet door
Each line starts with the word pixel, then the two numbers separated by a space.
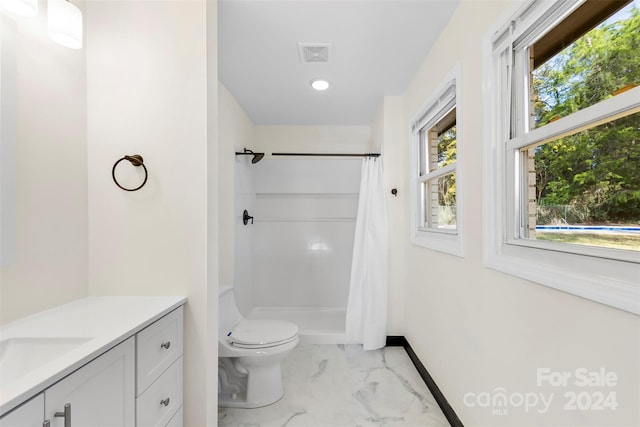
pixel 100 393
pixel 30 414
pixel 176 421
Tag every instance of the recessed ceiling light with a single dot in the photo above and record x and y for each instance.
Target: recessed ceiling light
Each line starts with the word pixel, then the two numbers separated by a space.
pixel 319 84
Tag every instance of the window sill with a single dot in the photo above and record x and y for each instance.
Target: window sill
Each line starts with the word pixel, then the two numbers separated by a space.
pixel 614 283
pixel 447 242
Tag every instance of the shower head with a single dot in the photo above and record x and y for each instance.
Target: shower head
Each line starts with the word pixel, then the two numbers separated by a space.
pixel 256 156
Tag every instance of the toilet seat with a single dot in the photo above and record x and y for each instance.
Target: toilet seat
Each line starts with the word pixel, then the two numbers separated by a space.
pixel 262 333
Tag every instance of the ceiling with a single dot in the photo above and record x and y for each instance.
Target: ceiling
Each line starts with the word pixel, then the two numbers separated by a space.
pixel 376 47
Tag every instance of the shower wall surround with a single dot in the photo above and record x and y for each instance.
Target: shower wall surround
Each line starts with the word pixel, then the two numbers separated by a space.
pixel 302 237
pixel 245 198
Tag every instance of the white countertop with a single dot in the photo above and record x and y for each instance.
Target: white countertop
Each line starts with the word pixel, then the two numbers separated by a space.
pixel 103 321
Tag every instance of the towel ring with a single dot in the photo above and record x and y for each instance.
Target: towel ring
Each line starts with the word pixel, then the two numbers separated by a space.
pixel 135 160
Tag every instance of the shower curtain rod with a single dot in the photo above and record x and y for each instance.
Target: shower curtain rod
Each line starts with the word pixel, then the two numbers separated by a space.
pixel 328 154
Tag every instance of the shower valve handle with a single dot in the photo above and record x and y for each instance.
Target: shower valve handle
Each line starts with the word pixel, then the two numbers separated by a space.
pixel 246 217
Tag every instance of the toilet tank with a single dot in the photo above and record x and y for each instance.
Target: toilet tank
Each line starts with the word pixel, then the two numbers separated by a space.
pixel 228 314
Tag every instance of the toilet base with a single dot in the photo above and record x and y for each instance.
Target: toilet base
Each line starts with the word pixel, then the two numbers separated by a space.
pixel 240 401
pixel 261 385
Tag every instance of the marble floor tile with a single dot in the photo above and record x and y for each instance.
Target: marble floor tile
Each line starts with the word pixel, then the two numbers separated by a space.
pixel 328 385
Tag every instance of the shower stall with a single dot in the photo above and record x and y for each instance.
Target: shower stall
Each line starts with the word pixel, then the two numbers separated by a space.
pixel 293 246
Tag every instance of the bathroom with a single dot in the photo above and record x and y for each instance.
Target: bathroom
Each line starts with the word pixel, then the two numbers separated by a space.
pixel 148 85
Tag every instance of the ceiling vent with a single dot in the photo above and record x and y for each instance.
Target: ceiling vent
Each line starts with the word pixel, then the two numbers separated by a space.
pixel 314 53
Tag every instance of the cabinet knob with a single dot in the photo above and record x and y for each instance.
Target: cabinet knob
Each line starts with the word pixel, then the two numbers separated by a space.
pixel 166 345
pixel 46 423
pixel 66 415
pixel 165 402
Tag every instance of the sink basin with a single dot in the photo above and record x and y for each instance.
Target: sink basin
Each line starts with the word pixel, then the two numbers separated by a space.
pixel 21 355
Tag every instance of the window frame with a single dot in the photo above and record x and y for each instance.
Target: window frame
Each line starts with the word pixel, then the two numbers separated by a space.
pixel 446 97
pixel 607 276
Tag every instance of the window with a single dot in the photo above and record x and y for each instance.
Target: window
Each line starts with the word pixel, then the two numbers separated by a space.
pixel 562 148
pixel 435 172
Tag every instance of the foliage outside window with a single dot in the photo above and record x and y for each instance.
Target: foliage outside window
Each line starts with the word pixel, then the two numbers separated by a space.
pixel 435 172
pixel 587 185
pixel 562 148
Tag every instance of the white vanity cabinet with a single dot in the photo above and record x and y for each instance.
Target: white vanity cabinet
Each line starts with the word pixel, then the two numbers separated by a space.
pixel 99 393
pixel 29 414
pixel 138 382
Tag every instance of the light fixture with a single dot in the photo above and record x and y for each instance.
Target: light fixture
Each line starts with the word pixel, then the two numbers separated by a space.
pixel 26 8
pixel 64 21
pixel 319 84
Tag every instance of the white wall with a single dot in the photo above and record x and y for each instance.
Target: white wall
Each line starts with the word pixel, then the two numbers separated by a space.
pixel 321 139
pixel 236 194
pixel 44 169
pixel 389 134
pixel 478 330
pixel 147 94
pixel 235 133
pixel 241 237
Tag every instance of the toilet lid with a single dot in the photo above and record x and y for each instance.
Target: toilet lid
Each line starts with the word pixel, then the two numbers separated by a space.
pixel 263 332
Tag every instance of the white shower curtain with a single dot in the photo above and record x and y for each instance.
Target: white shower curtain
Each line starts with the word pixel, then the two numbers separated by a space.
pixel 366 321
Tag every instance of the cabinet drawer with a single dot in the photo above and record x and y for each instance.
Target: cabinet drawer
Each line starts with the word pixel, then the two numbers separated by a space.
pixel 159 403
pixel 157 347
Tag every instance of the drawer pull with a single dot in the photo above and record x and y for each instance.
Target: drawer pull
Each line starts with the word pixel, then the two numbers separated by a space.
pixel 66 415
pixel 165 402
pixel 166 345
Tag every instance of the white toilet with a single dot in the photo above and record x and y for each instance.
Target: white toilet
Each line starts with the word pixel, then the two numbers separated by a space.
pixel 250 353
